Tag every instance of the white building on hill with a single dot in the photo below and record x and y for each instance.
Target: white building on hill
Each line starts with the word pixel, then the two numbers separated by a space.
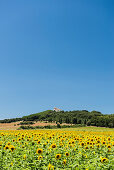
pixel 56 109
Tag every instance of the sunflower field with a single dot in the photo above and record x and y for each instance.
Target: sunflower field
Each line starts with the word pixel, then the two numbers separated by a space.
pixel 56 150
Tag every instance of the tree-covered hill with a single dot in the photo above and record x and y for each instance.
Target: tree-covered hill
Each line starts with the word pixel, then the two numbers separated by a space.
pixel 85 117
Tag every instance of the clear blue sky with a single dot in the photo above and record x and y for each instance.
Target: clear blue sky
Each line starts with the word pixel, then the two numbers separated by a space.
pixel 56 53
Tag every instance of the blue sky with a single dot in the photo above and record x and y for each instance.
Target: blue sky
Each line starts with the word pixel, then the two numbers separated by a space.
pixel 56 53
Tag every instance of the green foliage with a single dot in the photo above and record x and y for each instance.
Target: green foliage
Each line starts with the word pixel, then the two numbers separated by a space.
pixel 10 120
pixel 26 123
pixel 51 126
pixel 93 118
pixel 85 117
pixel 58 125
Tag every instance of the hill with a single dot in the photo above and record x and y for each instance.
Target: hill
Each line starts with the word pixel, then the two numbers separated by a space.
pixel 83 117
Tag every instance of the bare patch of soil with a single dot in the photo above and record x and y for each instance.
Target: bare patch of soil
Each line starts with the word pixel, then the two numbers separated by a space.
pixel 15 125
pixel 9 126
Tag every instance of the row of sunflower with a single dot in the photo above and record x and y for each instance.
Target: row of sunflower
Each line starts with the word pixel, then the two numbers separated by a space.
pixel 56 149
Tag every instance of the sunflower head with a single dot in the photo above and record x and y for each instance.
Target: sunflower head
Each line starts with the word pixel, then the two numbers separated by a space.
pixel 66 154
pixel 0 143
pixel 91 146
pixel 112 143
pixel 38 142
pixel 86 147
pixel 108 146
pixel 39 151
pixel 24 156
pixel 6 147
pixel 82 143
pixel 40 157
pixel 73 142
pixel 50 167
pixel 103 142
pixel 98 145
pixel 108 138
pixel 12 148
pixel 58 156
pixel 44 145
pixel 53 145
pixel 109 149
pixel 8 143
pixel 64 161
pixel 92 139
pixel 104 160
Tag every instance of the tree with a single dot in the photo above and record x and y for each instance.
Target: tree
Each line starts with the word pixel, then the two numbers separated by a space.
pixel 74 121
pixel 79 121
pixel 60 120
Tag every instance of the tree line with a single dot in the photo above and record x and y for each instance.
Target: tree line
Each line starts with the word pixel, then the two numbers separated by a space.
pixel 84 117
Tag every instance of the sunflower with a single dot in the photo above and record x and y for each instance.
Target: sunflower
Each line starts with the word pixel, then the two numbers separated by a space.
pixel 19 139
pixel 66 154
pixel 44 144
pixel 73 142
pixel 86 147
pixel 98 145
pixel 39 151
pixel 92 139
pixel 50 167
pixel 87 143
pixel 108 146
pixel 12 148
pixel 98 141
pixel 53 145
pixel 108 138
pixel 104 160
pixel 40 157
pixel 64 161
pixel 112 143
pixel 23 146
pixel 91 143
pixel 11 163
pixel 6 147
pixel 58 156
pixel 0 143
pixel 2 134
pixel 38 142
pixel 103 142
pixel 109 149
pixel 82 143
pixel 85 156
pixel 91 146
pixel 24 156
pixel 8 143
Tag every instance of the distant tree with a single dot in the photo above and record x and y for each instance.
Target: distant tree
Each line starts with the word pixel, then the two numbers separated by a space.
pixel 85 121
pixel 60 120
pixel 74 121
pixel 110 125
pixel 88 123
pixel 50 119
pixel 58 125
pixel 79 121
pixel 67 120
